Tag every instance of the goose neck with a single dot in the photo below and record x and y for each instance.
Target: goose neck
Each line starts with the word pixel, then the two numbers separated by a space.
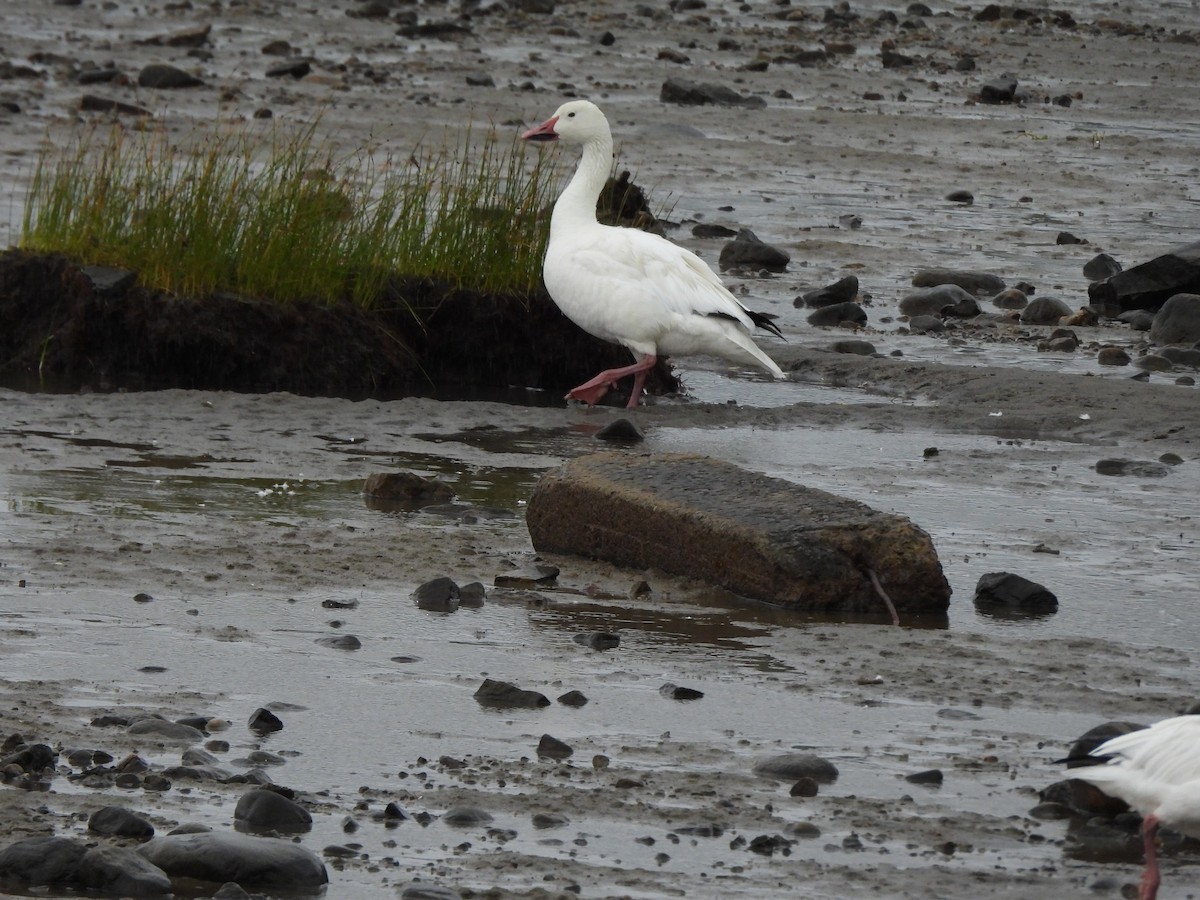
pixel 577 204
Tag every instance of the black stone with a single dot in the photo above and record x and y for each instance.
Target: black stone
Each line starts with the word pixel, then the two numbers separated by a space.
pixel 252 862
pixel 502 694
pixel 1013 594
pixel 41 861
pixel 264 721
pixel 114 820
pixel 747 251
pixel 438 595
pixel 163 76
pixel 839 292
pixel 267 810
pixel 836 314
pixel 550 747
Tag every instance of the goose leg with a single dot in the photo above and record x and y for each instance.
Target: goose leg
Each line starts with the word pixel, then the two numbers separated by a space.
pixel 590 392
pixel 1151 877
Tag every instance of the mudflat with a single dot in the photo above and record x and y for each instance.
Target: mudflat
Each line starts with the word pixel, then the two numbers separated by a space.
pixel 188 553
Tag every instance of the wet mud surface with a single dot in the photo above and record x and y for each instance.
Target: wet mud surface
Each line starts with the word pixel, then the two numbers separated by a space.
pixel 237 521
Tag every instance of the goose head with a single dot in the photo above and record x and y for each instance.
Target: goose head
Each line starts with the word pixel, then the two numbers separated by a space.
pixel 576 122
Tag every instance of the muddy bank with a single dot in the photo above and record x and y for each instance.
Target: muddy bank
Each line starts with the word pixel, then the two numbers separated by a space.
pixel 58 329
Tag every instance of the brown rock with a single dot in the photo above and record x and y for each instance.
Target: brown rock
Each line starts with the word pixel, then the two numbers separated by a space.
pixel 404 490
pixel 758 536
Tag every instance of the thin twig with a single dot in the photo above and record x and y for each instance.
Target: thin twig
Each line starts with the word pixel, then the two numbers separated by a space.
pixel 884 594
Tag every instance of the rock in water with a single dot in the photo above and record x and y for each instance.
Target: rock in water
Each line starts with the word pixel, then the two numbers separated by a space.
pixel 1178 322
pixel 758 536
pixel 252 862
pixel 1147 286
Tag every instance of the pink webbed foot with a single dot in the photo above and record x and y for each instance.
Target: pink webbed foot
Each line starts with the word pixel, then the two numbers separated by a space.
pixel 589 394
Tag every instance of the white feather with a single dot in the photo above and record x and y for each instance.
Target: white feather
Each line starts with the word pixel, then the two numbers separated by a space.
pixel 1155 770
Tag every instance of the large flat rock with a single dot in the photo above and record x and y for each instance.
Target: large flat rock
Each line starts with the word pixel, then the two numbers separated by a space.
pixel 757 536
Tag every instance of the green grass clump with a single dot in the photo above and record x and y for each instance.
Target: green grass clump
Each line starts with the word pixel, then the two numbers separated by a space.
pixel 283 218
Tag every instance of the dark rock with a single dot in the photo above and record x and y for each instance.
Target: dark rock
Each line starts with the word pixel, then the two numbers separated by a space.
pixel 936 300
pixel 1012 298
pixel 441 31
pixel 1149 285
pixel 419 890
pixel 466 816
pixel 929 776
pixel 1063 340
pixel 539 575
pixel 620 431
pixel 1013 594
pixel 926 325
pixel 854 348
pixel 704 230
pixel 472 594
pixel 295 68
pixel 1065 237
pixel 1113 356
pixel 675 692
pixel 1153 362
pixel 1082 797
pixel 504 695
pixel 123 872
pixel 92 103
pixel 404 490
pixel 975 282
pixel 263 721
pixel 837 314
pixel 1178 322
pixel 838 292
pixel 39 861
pixel 747 251
pixel 550 747
pixel 1137 319
pixel 769 844
pixel 1079 756
pixel 252 862
pixel 98 76
pixel 267 810
pixel 438 595
pixel 573 699
pixel 1182 356
pixel 1136 468
pixel 188 37
pixel 758 536
pixel 1100 266
pixel 162 730
pixel 32 759
pixel 113 820
pixel 598 640
pixel 999 90
pixel 166 77
pixel 964 197
pixel 340 642
pixel 542 821
pixel 691 93
pixel 1044 311
pixel 794 766
pixel 804 787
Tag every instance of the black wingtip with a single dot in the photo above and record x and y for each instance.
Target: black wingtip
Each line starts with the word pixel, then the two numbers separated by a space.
pixel 764 320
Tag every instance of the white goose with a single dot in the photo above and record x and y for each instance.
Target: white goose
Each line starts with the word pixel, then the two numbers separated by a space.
pixel 1157 772
pixel 628 286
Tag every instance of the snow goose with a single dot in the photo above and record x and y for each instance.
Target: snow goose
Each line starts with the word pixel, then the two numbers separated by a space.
pixel 1157 772
pixel 631 287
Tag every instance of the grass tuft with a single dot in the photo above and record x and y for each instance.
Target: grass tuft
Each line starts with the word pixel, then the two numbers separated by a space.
pixel 282 218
